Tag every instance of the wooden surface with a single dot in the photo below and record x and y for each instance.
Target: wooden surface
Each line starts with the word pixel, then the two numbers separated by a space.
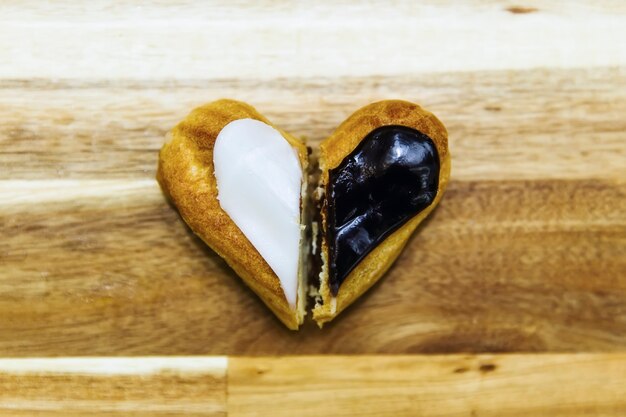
pixel 453 385
pixel 525 253
pixel 155 386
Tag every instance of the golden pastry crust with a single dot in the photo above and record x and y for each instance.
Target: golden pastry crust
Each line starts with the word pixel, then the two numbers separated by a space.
pixel 332 152
pixel 187 178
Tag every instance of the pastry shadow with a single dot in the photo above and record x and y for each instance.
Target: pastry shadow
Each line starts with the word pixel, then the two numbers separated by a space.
pixel 198 243
pixel 245 297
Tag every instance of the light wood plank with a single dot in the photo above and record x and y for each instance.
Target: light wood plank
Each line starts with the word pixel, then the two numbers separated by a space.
pixel 105 267
pixel 540 124
pixel 463 385
pixel 241 39
pixel 172 386
pixel 477 386
pixel 109 10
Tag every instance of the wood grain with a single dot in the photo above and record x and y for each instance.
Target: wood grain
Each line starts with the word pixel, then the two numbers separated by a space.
pixel 480 386
pixel 509 125
pixel 451 385
pixel 172 386
pixel 501 266
pixel 268 39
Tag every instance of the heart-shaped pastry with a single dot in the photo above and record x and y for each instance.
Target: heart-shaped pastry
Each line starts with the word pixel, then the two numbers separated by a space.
pixel 241 185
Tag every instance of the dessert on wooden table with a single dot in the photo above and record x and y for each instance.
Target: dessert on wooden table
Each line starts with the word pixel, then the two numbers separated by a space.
pixel 241 184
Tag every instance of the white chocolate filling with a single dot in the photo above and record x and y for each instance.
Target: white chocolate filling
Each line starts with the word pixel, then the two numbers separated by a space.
pixel 259 181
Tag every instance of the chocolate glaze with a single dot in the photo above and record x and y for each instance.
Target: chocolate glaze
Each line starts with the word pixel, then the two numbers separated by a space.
pixel 391 176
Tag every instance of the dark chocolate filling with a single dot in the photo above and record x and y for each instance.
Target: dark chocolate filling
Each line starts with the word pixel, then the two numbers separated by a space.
pixel 391 176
